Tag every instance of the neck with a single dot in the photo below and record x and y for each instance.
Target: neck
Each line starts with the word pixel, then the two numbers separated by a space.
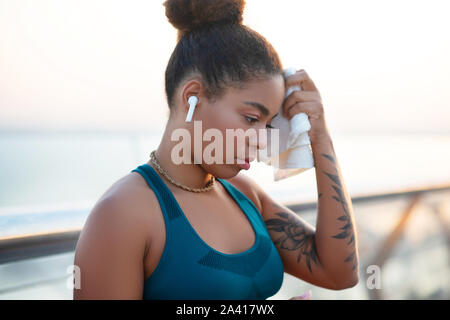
pixel 189 174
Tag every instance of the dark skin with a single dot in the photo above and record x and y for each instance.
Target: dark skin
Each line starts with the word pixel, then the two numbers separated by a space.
pixel 124 236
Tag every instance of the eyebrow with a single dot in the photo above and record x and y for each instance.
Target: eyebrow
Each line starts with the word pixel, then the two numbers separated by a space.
pixel 260 107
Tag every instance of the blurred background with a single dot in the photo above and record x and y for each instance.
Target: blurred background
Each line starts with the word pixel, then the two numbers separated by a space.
pixel 82 104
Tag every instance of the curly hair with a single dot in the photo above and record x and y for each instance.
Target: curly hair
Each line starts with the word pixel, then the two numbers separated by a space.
pixel 213 42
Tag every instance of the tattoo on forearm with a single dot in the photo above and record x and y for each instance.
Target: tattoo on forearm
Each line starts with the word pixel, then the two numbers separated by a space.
pixel 347 229
pixel 293 237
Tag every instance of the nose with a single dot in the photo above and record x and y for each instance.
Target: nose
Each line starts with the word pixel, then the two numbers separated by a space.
pixel 262 139
pixel 259 141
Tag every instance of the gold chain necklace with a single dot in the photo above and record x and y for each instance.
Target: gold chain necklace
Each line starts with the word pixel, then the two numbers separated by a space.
pixel 155 161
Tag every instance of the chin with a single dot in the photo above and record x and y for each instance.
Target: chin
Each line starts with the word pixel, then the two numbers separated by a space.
pixel 222 171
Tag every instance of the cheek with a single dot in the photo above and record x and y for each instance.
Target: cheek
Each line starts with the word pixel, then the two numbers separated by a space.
pixel 221 119
pixel 232 121
pixel 235 144
pixel 224 120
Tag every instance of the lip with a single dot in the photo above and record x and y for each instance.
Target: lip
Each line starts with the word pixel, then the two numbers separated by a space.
pixel 246 159
pixel 245 165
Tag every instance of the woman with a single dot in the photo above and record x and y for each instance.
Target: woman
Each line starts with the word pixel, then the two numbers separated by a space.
pixel 200 230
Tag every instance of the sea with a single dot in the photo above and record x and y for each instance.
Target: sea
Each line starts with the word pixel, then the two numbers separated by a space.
pixel 57 172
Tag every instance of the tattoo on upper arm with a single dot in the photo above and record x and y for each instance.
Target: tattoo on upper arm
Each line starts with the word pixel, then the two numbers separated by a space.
pixel 347 229
pixel 293 236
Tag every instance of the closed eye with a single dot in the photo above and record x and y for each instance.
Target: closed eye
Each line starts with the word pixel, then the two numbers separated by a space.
pixel 251 120
pixel 254 120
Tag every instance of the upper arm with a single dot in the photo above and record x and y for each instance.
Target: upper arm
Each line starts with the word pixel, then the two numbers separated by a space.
pixel 110 253
pixel 293 237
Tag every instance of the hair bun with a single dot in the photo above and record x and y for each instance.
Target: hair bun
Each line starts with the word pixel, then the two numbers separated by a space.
pixel 186 15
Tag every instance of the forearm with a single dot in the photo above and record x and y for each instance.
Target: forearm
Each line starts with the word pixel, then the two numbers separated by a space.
pixel 335 236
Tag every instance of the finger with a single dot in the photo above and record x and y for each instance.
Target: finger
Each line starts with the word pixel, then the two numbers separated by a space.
pixel 300 298
pixel 305 296
pixel 301 78
pixel 310 108
pixel 301 96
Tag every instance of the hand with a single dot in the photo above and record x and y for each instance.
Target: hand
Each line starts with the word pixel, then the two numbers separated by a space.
pixel 305 296
pixel 308 101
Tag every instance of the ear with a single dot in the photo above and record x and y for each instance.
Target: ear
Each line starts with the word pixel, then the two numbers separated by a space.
pixel 193 87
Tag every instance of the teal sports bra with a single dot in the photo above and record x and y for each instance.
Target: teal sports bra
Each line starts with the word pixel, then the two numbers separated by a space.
pixel 189 269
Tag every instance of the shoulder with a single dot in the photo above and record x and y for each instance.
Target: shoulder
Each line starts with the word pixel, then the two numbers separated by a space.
pixel 125 210
pixel 113 244
pixel 129 197
pixel 249 187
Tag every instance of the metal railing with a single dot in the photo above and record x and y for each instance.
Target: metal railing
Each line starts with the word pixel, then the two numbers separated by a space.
pixel 16 248
pixel 30 246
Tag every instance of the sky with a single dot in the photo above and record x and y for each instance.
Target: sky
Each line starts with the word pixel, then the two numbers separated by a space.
pixel 380 66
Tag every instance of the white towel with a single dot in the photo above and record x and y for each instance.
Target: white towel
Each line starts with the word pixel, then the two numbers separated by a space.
pixel 294 146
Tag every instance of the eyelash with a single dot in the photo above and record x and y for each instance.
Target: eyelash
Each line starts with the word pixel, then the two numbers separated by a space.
pixel 253 120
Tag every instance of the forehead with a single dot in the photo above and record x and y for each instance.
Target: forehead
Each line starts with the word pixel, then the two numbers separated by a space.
pixel 268 92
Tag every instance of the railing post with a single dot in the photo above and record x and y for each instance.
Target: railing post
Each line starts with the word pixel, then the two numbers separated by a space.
pixel 391 240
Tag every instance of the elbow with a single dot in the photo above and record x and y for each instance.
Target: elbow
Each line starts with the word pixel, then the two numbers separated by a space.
pixel 351 283
pixel 347 283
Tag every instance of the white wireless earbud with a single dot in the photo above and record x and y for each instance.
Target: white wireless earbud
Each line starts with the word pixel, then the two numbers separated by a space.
pixel 193 100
